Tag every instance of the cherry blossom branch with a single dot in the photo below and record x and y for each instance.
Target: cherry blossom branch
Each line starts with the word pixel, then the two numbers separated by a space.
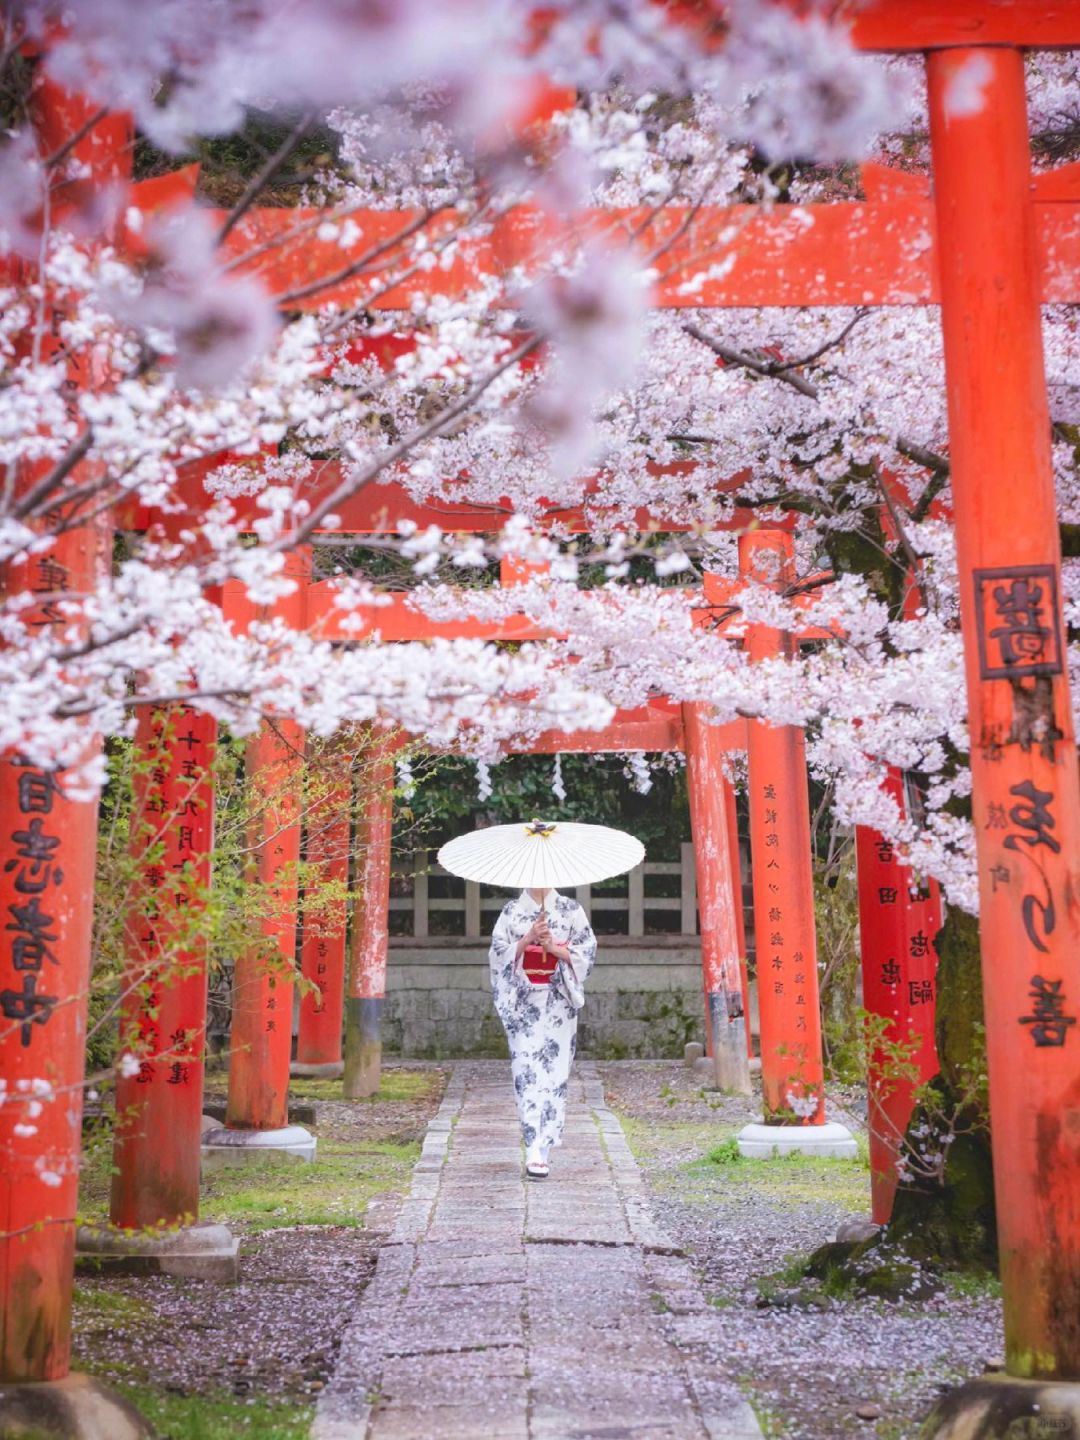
pixel 780 366
pixel 56 476
pixel 354 267
pixel 61 153
pixel 768 368
pixel 399 277
pixel 913 559
pixel 397 452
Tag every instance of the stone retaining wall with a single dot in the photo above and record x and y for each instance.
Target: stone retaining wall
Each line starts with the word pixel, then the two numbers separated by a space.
pixel 643 999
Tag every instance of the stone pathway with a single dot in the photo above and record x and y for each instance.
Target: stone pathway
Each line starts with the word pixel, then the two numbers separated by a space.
pixel 502 1309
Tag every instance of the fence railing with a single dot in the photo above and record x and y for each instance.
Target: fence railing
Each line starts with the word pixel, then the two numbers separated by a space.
pixel 637 904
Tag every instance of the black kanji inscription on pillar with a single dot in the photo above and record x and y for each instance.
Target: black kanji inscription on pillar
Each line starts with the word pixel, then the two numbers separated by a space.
pixel 1048 1020
pixel 1032 814
pixel 36 864
pixel 1017 618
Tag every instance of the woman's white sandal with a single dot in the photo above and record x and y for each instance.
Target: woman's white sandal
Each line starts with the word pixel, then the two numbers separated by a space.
pixel 537 1170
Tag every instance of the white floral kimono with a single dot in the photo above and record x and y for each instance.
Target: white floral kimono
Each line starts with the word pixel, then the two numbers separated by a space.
pixel 541 1020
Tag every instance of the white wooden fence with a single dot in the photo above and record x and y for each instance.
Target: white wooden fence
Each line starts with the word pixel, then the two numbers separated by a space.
pixel 635 904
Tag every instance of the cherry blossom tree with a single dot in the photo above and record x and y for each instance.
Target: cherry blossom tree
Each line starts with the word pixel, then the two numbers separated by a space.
pixel 141 346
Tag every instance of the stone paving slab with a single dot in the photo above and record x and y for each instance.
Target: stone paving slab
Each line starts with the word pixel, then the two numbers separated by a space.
pixel 502 1309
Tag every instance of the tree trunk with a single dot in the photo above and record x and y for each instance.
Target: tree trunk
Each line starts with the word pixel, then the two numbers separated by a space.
pixel 953 1222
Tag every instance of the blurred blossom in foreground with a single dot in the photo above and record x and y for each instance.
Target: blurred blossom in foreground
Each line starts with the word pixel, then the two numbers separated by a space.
pixel 212 324
pixel 594 319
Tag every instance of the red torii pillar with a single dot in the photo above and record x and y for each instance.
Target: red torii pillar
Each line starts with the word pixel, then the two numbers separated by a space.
pixel 156 1156
pixel 48 845
pixel 792 1070
pixel 322 944
pixel 47 859
pixel 897 930
pixel 370 927
pixel 731 806
pixel 1026 789
pixel 257 1115
pixel 718 902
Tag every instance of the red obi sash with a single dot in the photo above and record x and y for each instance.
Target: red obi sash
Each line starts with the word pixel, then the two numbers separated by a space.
pixel 538 964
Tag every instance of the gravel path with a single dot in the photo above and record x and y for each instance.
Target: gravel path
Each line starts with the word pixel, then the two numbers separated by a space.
pixel 504 1310
pixel 807 1371
pixel 276 1332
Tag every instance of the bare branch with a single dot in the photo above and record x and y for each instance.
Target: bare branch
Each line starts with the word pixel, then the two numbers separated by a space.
pixel 264 174
pixel 355 266
pixel 57 475
pixel 928 496
pixel 902 535
pixel 781 366
pixel 61 153
pixel 748 362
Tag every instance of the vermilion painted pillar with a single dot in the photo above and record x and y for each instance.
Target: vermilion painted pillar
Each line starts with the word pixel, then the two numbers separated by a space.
pixel 322 949
pixel 792 1069
pixel 725 1011
pixel 261 1035
pixel 732 809
pixel 260 1041
pixel 163 1017
pixel 370 928
pixel 897 929
pixel 1026 800
pixel 47 856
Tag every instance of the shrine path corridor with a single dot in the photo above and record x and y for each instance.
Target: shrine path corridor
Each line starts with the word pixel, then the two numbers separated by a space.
pixel 502 1309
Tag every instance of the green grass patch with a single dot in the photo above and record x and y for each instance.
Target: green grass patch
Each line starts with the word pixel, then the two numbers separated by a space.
pixel 394 1086
pixel 787 1181
pixel 218 1416
pixel 109 1308
pixel 976 1284
pixel 334 1190
pixel 772 1425
pixel 269 1193
pixel 726 1153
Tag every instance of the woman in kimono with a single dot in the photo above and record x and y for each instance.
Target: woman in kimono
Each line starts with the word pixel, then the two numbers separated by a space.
pixel 541 1020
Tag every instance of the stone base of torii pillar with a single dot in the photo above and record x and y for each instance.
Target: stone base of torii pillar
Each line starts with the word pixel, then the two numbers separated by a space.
pixel 203 1251
pixel 831 1141
pixel 331 1070
pixel 78 1407
pixel 996 1405
pixel 223 1146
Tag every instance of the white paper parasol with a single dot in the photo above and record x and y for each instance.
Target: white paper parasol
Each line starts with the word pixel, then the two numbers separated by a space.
pixel 541 855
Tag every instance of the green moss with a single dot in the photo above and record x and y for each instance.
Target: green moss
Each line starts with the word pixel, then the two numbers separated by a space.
pixel 961 1039
pixel 218 1416
pixel 841 1270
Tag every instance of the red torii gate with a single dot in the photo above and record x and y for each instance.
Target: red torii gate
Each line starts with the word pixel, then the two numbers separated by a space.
pixel 1001 250
pixel 1026 792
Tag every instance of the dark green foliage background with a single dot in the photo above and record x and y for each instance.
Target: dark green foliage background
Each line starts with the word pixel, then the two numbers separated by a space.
pixel 445 803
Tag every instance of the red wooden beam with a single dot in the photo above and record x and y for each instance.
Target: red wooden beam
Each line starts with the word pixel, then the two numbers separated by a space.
pixel 872 252
pixel 380 507
pixel 656 726
pixel 941 24
pixel 399 620
pixel 897 25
